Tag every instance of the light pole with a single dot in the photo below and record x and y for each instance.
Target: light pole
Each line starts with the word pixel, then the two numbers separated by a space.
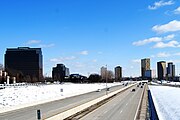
pixel 106 79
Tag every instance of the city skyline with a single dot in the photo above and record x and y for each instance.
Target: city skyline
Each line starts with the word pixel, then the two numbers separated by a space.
pixel 86 35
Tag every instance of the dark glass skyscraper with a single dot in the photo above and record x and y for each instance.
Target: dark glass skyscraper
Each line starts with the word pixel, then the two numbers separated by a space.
pixel 118 73
pixel 161 70
pixel 170 71
pixel 25 64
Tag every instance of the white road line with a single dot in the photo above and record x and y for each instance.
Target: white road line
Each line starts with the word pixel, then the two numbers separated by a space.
pixel 121 111
pixel 105 112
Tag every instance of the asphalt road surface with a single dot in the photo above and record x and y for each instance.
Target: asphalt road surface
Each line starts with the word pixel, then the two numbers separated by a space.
pixel 122 107
pixel 52 108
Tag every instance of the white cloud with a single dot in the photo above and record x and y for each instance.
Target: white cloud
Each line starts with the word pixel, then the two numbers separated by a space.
pixel 30 42
pixel 95 60
pixel 131 67
pixel 177 11
pixel 79 65
pixel 153 39
pixel 62 59
pixel 47 46
pixel 84 52
pixel 169 37
pixel 136 61
pixel 159 4
pixel 169 27
pixel 152 56
pixel 163 54
pixel 147 41
pixel 165 45
pixel 37 42
pixel 176 61
pixel 177 54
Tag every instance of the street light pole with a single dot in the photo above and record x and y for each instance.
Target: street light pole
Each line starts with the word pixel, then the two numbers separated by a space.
pixel 106 79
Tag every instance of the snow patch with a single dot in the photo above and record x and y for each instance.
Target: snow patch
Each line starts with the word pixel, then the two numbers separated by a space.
pixel 167 102
pixel 13 96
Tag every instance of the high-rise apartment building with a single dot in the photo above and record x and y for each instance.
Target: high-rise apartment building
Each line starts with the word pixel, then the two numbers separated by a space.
pixel 60 72
pixel 104 73
pixel 118 73
pixel 24 63
pixel 161 70
pixel 145 66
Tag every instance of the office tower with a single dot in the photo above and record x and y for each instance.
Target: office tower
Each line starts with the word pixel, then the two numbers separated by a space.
pixel 161 69
pixel 171 70
pixel 103 73
pixel 25 64
pixel 118 73
pixel 145 65
pixel 60 72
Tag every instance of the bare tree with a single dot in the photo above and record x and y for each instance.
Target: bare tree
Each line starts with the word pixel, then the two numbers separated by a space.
pixel 1 66
pixel 110 75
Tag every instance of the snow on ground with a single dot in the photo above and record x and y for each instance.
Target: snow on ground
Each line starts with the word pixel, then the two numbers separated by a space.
pixel 173 83
pixel 167 102
pixel 19 95
pixel 168 82
pixel 165 82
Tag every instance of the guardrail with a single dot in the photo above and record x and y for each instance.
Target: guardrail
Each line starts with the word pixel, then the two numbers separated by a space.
pixel 79 108
pixel 2 86
pixel 152 110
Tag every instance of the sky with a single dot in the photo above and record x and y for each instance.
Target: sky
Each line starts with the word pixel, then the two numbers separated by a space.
pixel 88 34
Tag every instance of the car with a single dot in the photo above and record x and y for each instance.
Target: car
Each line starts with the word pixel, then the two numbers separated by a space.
pixel 133 90
pixel 126 84
pixel 98 90
pixel 107 89
pixel 137 85
pixel 141 86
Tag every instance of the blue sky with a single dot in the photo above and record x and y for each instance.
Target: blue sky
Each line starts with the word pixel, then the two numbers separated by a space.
pixel 88 34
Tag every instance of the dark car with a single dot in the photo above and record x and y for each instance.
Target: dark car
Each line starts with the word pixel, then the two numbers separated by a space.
pixel 133 90
pixel 98 90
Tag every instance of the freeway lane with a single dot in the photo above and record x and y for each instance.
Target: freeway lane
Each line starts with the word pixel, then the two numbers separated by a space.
pixel 52 108
pixel 122 107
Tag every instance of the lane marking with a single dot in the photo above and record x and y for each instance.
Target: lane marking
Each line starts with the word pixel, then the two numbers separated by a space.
pixel 121 111
pixel 105 112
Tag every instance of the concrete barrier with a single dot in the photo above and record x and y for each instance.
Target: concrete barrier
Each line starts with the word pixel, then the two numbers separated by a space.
pixel 142 108
pixel 79 108
pixel 152 110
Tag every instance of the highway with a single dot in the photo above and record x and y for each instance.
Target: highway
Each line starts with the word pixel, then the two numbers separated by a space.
pixel 122 107
pixel 53 108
